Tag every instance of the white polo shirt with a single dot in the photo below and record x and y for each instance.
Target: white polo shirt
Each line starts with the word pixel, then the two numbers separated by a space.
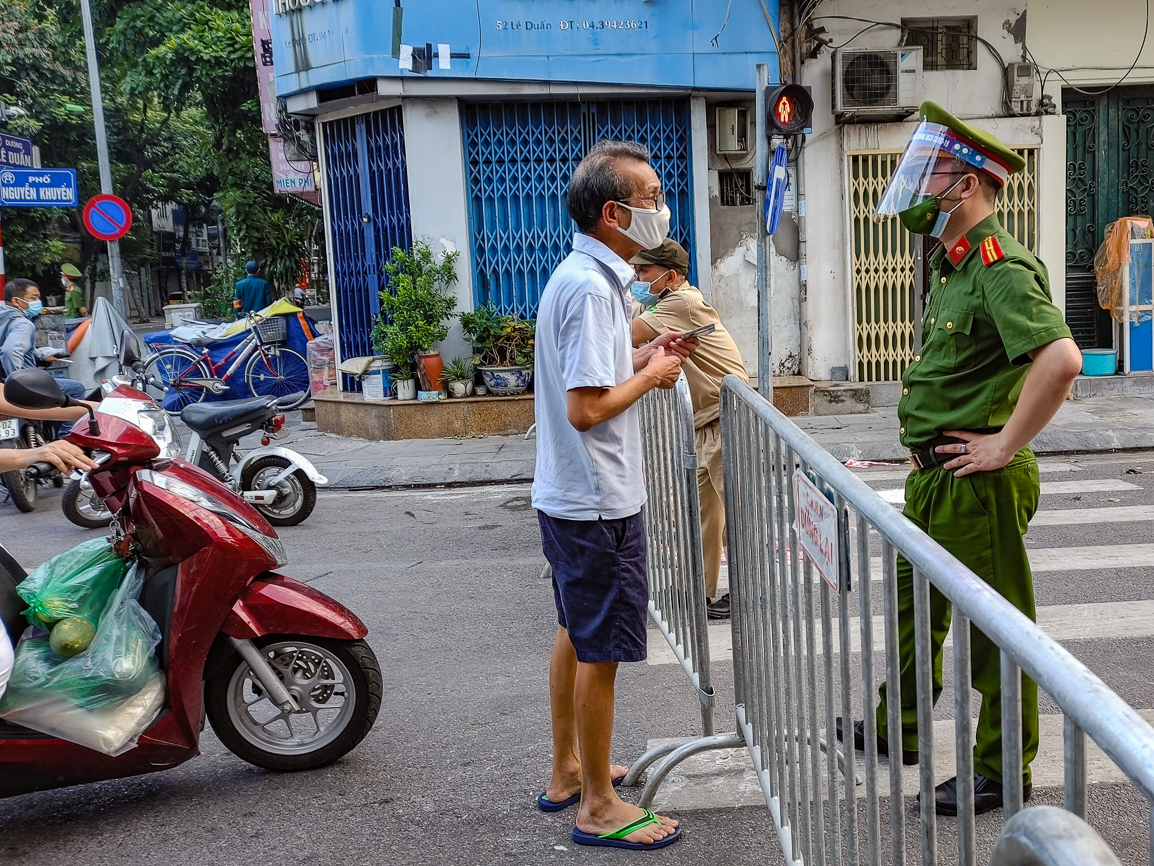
pixel 584 339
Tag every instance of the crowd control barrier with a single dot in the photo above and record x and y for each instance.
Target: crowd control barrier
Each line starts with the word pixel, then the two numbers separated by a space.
pixel 675 568
pixel 809 545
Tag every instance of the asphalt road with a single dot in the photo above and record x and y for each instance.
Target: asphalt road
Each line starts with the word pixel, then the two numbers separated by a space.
pixel 448 582
pixel 449 585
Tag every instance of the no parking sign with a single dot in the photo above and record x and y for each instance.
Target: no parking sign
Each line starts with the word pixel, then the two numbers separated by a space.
pixel 107 217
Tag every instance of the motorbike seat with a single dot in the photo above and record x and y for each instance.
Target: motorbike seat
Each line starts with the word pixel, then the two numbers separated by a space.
pixel 200 341
pixel 209 417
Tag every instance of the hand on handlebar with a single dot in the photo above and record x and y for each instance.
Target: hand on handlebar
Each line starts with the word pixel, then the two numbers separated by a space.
pixel 63 455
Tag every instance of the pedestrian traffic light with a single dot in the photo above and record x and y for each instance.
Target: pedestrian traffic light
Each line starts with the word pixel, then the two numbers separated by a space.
pixel 788 108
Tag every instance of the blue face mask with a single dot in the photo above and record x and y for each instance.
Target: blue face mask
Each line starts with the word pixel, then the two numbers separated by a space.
pixel 34 308
pixel 641 294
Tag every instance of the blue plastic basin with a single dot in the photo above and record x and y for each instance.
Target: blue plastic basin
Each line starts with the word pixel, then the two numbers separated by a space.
pixel 1099 362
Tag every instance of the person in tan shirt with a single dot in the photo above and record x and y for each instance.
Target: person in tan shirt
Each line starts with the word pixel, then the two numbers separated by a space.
pixel 672 304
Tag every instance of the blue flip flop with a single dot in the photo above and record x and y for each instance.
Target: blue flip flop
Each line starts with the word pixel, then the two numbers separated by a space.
pixel 616 839
pixel 547 805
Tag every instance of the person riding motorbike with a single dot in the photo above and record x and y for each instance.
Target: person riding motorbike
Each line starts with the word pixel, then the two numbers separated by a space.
pixel 18 349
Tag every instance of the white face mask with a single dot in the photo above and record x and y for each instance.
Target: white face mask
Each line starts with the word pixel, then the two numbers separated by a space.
pixel 647 227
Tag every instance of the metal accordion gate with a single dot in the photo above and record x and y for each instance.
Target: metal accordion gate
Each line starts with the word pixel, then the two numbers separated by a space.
pixel 519 157
pixel 368 197
pixel 883 260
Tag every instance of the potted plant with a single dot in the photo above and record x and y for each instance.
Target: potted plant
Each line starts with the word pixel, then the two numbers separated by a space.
pixel 405 381
pixel 413 315
pixel 458 376
pixel 506 348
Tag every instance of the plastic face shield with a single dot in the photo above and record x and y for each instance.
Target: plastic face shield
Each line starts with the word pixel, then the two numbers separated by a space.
pixel 909 185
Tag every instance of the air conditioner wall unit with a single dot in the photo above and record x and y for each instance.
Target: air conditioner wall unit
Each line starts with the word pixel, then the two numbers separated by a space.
pixel 872 85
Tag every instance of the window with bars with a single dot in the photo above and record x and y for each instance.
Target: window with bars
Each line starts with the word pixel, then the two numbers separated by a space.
pixel 947 43
pixel 736 187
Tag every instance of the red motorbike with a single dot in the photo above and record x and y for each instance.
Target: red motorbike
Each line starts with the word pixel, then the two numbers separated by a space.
pixel 281 670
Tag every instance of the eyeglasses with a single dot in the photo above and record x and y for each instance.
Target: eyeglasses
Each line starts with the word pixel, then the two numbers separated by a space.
pixel 658 201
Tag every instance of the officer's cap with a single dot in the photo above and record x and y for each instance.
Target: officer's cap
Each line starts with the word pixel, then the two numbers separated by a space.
pixel 70 270
pixel 670 254
pixel 988 154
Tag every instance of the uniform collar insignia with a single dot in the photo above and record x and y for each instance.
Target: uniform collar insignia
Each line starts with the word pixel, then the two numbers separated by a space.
pixel 958 251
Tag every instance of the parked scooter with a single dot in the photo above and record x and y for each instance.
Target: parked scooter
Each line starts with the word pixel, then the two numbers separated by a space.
pixel 279 482
pixel 281 670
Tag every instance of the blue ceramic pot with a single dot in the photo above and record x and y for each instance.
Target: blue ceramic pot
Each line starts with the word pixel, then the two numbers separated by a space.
pixel 506 381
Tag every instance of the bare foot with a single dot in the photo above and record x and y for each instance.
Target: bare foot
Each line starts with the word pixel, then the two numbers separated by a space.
pixel 560 789
pixel 621 814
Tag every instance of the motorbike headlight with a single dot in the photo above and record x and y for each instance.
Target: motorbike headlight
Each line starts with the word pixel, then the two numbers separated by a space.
pixel 270 543
pixel 149 417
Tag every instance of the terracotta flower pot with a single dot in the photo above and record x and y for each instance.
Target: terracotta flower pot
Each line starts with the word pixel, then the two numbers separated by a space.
pixel 429 370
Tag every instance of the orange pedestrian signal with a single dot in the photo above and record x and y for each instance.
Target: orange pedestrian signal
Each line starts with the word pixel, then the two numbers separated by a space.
pixel 788 109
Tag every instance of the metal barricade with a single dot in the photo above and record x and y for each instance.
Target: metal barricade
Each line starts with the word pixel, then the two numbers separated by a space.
pixel 1049 836
pixel 675 568
pixel 795 636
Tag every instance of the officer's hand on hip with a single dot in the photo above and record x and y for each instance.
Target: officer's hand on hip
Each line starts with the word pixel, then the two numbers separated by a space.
pixel 977 452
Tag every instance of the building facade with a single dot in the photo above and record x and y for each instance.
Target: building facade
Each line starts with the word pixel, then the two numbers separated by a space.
pixel 463 126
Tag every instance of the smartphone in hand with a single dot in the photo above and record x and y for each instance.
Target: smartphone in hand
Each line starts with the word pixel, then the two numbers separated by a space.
pixel 698 332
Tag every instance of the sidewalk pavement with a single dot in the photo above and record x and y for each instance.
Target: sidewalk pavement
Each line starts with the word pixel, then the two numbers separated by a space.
pixel 1090 425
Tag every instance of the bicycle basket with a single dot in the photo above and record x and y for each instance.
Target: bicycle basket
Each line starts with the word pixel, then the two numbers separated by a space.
pixel 272 329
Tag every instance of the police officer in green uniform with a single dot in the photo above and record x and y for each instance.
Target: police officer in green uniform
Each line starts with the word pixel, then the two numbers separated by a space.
pixel 995 365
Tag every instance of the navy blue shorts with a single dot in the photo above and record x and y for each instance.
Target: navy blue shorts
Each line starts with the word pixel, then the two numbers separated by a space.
pixel 599 585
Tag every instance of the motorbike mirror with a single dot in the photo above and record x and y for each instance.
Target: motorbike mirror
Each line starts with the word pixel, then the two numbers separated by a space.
pixel 35 389
pixel 130 348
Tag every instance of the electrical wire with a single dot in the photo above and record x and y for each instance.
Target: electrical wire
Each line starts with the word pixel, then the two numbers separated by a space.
pixel 1133 66
pixel 782 68
pixel 724 24
pixel 906 28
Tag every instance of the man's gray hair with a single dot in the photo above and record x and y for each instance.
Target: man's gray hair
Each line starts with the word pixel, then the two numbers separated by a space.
pixel 598 179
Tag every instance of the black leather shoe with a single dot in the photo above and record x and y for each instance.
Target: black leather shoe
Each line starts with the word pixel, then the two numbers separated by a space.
pixel 908 758
pixel 718 608
pixel 987 795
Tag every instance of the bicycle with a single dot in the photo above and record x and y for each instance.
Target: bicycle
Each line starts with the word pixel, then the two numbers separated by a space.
pixel 178 376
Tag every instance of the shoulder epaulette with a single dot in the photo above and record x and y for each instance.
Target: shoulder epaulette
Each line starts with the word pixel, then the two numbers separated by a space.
pixel 991 250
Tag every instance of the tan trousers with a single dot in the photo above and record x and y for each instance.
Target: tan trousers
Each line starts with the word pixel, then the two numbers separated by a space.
pixel 711 492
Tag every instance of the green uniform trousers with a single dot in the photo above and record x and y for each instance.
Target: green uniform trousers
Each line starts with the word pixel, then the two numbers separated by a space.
pixel 980 519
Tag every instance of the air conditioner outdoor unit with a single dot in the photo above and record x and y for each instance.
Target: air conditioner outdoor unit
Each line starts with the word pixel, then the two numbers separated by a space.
pixel 871 85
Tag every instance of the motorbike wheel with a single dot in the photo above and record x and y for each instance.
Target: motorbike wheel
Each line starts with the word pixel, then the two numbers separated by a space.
pixel 291 506
pixel 24 491
pixel 21 489
pixel 336 683
pixel 83 507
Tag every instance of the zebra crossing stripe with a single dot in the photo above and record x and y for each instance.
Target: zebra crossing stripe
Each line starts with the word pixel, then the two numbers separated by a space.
pixel 1081 516
pixel 1067 622
pixel 897 495
pixel 725 779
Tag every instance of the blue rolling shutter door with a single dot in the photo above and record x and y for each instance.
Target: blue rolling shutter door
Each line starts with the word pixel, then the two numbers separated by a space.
pixel 368 198
pixel 519 158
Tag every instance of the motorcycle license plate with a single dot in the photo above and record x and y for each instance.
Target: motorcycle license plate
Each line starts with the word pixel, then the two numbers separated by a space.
pixel 9 429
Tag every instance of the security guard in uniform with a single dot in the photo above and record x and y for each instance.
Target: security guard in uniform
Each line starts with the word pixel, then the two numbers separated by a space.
pixel 995 365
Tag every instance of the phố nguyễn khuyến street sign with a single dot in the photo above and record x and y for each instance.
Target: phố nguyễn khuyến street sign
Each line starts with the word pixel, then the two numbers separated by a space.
pixel 41 187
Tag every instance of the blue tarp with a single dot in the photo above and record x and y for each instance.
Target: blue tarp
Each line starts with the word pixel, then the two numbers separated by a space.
pixel 218 351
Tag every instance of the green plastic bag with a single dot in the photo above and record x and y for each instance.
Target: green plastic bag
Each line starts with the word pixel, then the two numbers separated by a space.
pixel 78 582
pixel 118 665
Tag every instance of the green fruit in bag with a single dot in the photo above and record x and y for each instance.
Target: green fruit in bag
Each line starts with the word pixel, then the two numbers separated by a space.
pixel 71 636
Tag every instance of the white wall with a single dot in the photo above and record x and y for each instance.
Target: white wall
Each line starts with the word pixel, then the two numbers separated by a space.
pixel 1089 43
pixel 974 95
pixel 437 200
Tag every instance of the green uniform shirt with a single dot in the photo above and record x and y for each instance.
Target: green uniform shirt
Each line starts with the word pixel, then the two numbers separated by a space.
pixel 987 309
pixel 73 301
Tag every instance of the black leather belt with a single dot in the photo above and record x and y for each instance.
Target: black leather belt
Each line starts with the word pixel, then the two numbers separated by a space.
pixel 926 459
